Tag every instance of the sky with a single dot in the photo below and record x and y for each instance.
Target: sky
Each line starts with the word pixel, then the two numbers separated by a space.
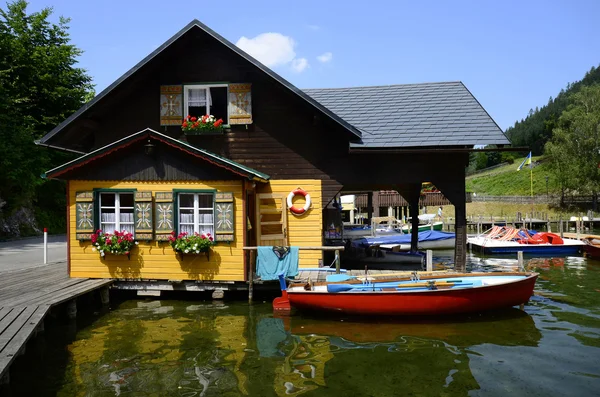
pixel 512 55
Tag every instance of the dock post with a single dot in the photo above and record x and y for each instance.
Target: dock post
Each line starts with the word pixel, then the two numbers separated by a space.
pixel 548 226
pixel 45 246
pixel 104 296
pixel 520 260
pixel 560 225
pixel 429 260
pixel 72 309
pixel 337 262
pixel 577 227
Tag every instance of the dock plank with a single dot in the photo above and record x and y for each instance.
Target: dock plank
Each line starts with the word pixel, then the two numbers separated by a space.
pixel 24 327
pixel 9 318
pixel 10 331
pixel 25 298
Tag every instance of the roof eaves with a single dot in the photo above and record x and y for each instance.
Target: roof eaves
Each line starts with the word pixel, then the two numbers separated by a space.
pixel 218 160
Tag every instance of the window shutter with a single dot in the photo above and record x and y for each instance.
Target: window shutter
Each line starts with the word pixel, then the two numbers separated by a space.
pixel 84 218
pixel 143 215
pixel 164 215
pixel 240 104
pixel 171 105
pixel 225 223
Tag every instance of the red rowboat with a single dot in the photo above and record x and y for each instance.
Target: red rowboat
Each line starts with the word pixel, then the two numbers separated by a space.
pixel 436 295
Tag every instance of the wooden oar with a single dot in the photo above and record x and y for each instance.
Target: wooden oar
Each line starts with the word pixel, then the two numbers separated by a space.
pixel 367 287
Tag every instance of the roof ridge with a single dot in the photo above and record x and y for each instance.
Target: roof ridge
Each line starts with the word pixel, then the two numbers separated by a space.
pixel 386 85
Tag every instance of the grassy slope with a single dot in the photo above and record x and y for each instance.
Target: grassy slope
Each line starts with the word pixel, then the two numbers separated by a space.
pixel 507 181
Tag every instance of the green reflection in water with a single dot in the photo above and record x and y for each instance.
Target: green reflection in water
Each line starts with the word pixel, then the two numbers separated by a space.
pixel 176 348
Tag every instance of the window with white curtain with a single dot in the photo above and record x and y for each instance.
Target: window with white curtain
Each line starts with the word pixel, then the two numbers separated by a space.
pixel 196 213
pixel 116 212
pixel 200 100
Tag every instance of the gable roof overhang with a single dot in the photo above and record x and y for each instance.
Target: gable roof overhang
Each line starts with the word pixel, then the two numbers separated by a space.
pixel 232 166
pixel 44 141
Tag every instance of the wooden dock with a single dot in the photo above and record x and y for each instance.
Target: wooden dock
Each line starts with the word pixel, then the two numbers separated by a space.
pixel 26 296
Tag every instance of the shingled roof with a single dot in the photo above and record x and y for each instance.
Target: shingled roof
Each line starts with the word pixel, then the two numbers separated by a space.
pixel 413 115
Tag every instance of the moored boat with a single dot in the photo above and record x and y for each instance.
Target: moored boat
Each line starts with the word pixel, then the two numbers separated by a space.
pixel 591 247
pixel 508 240
pixel 427 240
pixel 434 295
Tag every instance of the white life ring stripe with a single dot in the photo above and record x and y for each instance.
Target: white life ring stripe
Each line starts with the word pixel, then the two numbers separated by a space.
pixel 294 210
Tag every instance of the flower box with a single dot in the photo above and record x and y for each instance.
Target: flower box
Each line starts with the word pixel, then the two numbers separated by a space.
pixel 204 125
pixel 117 243
pixel 195 244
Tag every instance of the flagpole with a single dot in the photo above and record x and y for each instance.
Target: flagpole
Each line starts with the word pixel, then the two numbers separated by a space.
pixel 531 184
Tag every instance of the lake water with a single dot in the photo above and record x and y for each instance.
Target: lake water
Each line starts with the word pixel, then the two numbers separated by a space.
pixel 194 348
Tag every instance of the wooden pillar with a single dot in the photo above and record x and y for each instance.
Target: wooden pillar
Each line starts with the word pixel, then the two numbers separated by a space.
pixel 460 229
pixel 104 296
pixel 452 184
pixel 71 309
pixel 411 193
pixel 369 207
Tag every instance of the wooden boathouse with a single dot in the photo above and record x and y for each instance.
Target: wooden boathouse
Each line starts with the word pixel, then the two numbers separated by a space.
pixel 138 171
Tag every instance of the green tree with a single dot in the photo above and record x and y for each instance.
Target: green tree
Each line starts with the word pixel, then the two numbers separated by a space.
pixel 575 145
pixel 39 87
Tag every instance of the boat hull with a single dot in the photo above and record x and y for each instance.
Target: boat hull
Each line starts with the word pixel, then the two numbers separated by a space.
pixel 421 303
pixel 491 248
pixel 592 251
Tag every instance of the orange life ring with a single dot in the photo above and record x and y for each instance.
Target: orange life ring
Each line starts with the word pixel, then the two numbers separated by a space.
pixel 294 210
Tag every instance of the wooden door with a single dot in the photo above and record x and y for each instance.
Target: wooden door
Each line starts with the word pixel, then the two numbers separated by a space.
pixel 271 219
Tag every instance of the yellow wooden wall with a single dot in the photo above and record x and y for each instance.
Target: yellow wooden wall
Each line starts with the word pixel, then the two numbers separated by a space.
pixel 154 260
pixel 307 229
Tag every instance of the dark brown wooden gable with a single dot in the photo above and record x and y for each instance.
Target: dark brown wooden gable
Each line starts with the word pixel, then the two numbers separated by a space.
pixel 287 140
pixel 167 164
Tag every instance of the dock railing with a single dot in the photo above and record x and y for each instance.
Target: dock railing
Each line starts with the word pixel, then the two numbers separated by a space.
pixel 251 265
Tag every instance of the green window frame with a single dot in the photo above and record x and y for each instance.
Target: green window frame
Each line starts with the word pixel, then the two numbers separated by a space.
pixel 99 222
pixel 202 218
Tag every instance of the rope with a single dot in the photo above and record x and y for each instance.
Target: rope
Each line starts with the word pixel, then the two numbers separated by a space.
pixel 333 263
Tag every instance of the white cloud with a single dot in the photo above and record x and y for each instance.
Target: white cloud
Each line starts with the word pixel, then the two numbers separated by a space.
pixel 272 49
pixel 326 57
pixel 299 64
pixel 313 27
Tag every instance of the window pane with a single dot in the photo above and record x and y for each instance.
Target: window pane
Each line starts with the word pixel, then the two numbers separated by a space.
pixel 189 229
pixel 186 216
pixel 205 201
pixel 126 216
pixel 206 229
pixel 107 215
pixel 127 228
pixel 107 199
pixel 108 227
pixel 186 200
pixel 205 216
pixel 197 97
pixel 126 200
